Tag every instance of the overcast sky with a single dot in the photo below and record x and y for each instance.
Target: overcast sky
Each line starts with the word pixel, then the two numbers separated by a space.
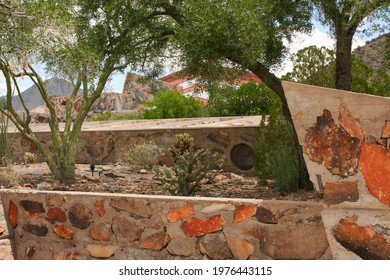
pixel 318 37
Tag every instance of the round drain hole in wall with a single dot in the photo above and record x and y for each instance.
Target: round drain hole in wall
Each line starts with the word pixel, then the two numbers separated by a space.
pixel 242 156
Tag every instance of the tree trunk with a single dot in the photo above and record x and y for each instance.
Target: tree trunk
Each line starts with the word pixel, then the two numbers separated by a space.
pixel 276 85
pixel 343 60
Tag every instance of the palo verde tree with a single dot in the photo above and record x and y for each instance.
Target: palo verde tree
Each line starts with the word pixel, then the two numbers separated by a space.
pixel 84 41
pixel 344 17
pixel 244 34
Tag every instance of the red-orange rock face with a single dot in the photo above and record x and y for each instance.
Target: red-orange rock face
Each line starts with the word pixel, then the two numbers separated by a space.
pixel 101 232
pixel 362 240
pixel 181 213
pixel 386 130
pixel 351 125
pixel 198 227
pixel 99 206
pixel 338 192
pixel 332 146
pixel 64 232
pixel 244 213
pixel 56 214
pixel 13 214
pixel 375 165
pixel 156 241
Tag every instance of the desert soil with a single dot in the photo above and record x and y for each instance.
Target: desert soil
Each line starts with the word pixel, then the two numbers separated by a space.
pixel 118 179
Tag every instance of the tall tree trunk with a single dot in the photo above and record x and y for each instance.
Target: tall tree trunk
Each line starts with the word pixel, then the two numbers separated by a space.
pixel 276 85
pixel 343 59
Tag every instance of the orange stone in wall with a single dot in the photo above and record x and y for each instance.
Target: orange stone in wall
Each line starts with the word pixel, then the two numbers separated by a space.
pixel 244 213
pixel 181 213
pixel 13 214
pixel 375 165
pixel 99 206
pixel 198 227
pixel 64 231
pixel 56 214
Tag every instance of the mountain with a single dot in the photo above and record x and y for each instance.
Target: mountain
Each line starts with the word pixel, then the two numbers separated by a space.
pixel 373 53
pixel 33 98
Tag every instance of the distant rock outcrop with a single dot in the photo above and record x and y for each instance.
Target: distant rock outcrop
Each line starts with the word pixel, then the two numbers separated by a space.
pixel 32 97
pixel 138 89
pixel 373 53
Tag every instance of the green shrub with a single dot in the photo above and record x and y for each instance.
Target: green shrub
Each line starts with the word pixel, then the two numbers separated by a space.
pixel 29 157
pixel 8 176
pixel 142 155
pixel 190 167
pixel 277 153
pixel 105 116
pixel 171 104
pixel 248 100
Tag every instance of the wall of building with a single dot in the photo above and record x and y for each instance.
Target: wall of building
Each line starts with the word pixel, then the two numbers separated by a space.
pixel 69 225
pixel 346 141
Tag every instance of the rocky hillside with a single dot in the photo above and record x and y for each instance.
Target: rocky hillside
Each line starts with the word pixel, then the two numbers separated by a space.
pixel 33 98
pixel 373 53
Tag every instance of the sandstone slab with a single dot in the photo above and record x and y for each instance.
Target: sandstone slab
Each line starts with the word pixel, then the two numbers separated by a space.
pixel 101 232
pixel 215 247
pixel 32 208
pixel 375 165
pixel 180 247
pixel 330 145
pixel 240 248
pixel 129 229
pixel 80 216
pixel 136 207
pixel 36 229
pixel 13 214
pixel 297 242
pixel 64 231
pixel 101 251
pixel 244 213
pixel 156 241
pixel 99 206
pixel 338 192
pixel 364 241
pixel 56 214
pixel 198 227
pixel 181 213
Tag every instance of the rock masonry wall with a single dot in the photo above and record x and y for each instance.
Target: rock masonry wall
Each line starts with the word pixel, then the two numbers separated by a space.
pixel 102 147
pixel 65 225
pixel 346 141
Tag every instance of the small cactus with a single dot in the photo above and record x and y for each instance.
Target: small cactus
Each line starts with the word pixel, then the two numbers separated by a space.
pixel 189 168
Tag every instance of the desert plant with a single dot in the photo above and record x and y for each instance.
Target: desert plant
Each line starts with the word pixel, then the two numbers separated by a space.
pixel 142 155
pixel 8 176
pixel 277 154
pixel 171 104
pixel 29 157
pixel 190 167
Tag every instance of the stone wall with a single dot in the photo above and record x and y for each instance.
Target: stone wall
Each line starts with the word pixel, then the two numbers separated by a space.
pixel 105 142
pixel 67 225
pixel 345 138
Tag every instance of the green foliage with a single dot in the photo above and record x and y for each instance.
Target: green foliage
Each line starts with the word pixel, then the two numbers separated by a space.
pixel 316 66
pixel 171 104
pixel 249 99
pixel 277 153
pixel 190 167
pixel 8 177
pixel 109 116
pixel 142 155
pixel 29 157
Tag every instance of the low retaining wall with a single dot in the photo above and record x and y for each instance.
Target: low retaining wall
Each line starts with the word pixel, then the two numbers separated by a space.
pixel 105 142
pixel 68 225
pixel 346 141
